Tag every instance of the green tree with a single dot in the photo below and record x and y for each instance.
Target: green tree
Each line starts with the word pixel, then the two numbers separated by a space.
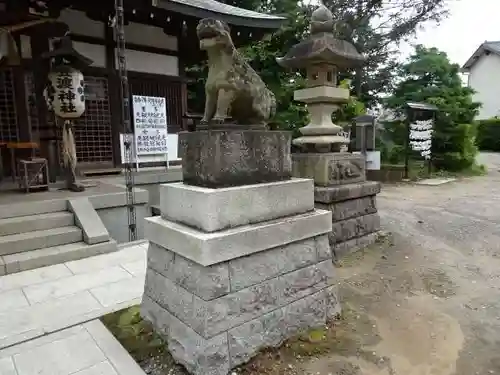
pixel 375 27
pixel 429 76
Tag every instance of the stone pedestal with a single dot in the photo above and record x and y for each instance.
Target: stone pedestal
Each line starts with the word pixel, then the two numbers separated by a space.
pixel 341 188
pixel 222 158
pixel 354 215
pixel 233 270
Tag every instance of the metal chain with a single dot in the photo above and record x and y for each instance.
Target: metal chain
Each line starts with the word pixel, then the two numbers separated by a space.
pixel 119 28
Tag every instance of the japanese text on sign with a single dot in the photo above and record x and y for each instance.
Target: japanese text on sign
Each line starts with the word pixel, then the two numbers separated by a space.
pixel 150 123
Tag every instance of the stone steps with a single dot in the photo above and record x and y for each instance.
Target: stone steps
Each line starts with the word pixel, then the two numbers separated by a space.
pixel 52 255
pixel 32 208
pixel 39 239
pixel 30 223
pixel 43 233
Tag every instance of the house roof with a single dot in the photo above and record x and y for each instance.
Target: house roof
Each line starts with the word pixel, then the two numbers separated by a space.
pixel 492 47
pixel 230 14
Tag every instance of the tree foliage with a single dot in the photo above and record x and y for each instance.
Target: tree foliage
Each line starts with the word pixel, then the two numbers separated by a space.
pixel 428 76
pixel 488 134
pixel 375 27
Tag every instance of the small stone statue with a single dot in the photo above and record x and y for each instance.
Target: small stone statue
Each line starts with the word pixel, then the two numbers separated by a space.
pixel 233 89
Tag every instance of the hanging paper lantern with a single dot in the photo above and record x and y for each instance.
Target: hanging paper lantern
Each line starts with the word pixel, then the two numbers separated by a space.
pixel 65 92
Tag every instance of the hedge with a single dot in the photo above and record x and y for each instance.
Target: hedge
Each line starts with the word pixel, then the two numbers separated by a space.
pixel 488 134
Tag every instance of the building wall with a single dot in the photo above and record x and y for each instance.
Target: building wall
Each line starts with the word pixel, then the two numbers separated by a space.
pixel 137 34
pixel 484 78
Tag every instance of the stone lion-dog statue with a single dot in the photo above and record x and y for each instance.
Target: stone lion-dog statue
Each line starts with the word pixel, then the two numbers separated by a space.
pixel 233 89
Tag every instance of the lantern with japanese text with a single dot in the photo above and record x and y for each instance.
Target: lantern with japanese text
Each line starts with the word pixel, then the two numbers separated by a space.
pixel 65 96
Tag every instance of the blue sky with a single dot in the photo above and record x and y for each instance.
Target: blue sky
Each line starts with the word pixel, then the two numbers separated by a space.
pixel 469 24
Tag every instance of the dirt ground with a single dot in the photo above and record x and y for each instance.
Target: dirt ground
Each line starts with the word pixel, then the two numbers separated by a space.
pixel 425 301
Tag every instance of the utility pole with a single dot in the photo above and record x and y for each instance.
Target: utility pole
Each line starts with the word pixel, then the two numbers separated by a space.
pixel 119 27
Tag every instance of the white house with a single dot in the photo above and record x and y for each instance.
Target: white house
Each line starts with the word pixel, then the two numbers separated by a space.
pixel 483 69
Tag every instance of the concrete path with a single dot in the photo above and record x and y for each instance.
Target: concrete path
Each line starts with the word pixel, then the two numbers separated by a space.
pixel 45 300
pixel 87 349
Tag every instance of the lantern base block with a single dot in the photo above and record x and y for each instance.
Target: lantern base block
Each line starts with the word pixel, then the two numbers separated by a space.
pixel 330 168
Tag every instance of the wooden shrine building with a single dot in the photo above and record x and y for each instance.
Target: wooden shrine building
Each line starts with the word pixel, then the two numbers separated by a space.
pixel 161 41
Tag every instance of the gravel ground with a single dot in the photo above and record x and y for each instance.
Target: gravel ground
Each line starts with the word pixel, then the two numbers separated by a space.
pixel 423 301
pixel 427 301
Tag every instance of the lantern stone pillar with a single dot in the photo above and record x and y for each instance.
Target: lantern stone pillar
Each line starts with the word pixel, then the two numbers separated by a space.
pixel 239 259
pixel 339 177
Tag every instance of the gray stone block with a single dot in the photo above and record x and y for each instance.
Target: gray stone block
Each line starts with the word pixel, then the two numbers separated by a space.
pixel 347 247
pixel 351 208
pixel 205 282
pixel 200 356
pixel 266 331
pixel 158 316
pixel 212 248
pixel 2 266
pixel 237 308
pixel 323 248
pixel 175 299
pixel 332 168
pixel 352 228
pixel 231 207
pixel 251 270
pixel 270 330
pixel 219 354
pixel 220 158
pixel 210 318
pixel 88 221
pixel 332 194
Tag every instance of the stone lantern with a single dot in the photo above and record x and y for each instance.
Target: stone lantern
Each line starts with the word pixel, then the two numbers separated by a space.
pixel 321 55
pixel 65 96
pixel 339 177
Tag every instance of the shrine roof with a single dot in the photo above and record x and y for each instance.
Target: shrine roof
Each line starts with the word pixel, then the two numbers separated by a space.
pixel 228 13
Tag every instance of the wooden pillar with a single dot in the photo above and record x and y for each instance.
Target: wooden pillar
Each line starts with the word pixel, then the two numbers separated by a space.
pixel 182 42
pixel 113 92
pixel 23 124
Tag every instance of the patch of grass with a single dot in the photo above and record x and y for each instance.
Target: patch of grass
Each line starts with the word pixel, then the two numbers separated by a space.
pixel 346 337
pixel 140 340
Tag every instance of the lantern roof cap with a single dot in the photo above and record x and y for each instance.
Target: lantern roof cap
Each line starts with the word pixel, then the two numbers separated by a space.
pixel 63 48
pixel 321 47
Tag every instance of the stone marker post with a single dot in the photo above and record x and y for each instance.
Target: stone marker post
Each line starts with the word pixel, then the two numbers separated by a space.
pixel 339 177
pixel 239 259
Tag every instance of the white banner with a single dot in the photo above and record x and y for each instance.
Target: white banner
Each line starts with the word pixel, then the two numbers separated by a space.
pixel 150 124
pixel 421 137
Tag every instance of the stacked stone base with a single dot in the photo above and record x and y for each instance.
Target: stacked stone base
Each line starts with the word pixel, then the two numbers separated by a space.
pixel 220 290
pixel 355 221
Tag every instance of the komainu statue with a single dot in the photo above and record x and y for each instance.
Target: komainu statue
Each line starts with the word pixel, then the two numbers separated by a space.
pixel 233 89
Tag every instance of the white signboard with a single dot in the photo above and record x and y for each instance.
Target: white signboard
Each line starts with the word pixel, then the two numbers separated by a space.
pixel 421 137
pixel 150 124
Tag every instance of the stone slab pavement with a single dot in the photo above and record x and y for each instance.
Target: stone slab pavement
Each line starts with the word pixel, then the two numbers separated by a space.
pixel 85 349
pixel 38 302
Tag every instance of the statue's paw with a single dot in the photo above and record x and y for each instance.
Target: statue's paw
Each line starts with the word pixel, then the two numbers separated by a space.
pixel 218 120
pixel 204 121
pixel 75 187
